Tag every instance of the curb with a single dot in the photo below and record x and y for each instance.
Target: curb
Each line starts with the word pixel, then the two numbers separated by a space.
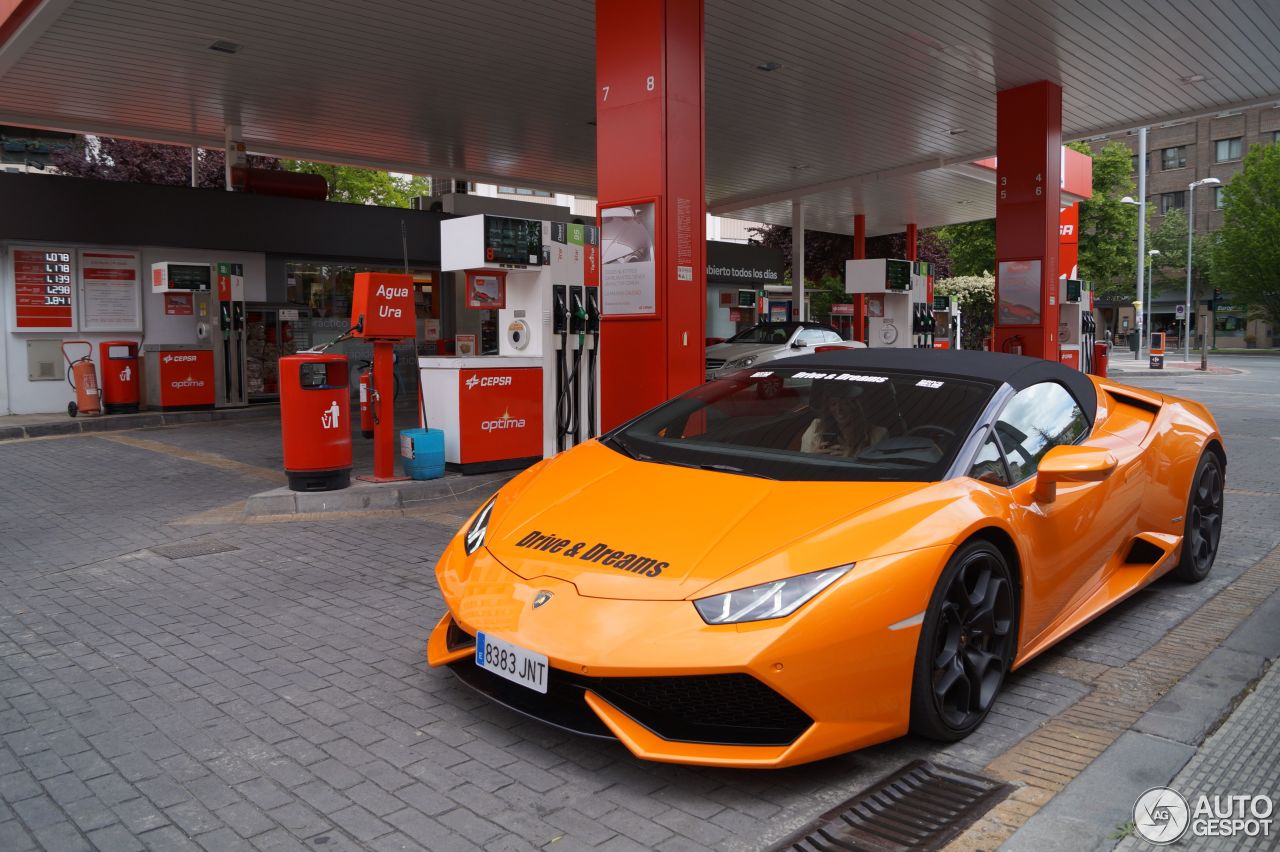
pixel 361 496
pixel 142 420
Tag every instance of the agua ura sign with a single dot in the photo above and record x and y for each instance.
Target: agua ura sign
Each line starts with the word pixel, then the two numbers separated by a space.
pixel 385 302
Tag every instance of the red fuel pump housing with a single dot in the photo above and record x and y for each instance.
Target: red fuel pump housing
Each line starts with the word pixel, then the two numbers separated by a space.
pixel 314 406
pixel 120 386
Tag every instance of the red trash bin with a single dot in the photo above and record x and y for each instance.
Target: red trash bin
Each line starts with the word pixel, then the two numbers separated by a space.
pixel 120 385
pixel 314 407
pixel 1100 360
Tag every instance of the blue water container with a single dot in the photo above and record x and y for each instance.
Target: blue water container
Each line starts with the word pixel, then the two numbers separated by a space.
pixel 422 452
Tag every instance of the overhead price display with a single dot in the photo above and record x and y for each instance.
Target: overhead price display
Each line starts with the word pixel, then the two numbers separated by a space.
pixel 514 241
pixel 43 289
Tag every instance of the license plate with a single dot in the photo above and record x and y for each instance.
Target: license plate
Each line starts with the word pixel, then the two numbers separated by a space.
pixel 512 662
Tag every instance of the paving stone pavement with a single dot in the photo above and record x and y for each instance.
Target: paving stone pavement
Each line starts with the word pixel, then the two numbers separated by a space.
pixel 275 696
pixel 1241 758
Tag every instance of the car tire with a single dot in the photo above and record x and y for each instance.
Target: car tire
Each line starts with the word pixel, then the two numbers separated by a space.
pixel 968 641
pixel 1202 523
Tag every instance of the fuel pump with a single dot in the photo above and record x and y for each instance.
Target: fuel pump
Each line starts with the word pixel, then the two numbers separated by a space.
pixel 543 380
pixel 578 339
pixel 564 392
pixel 1088 336
pixel 893 320
pixel 1071 322
pixel 593 347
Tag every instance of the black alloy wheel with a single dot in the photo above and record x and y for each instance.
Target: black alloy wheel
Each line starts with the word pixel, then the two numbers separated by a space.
pixel 967 644
pixel 1202 528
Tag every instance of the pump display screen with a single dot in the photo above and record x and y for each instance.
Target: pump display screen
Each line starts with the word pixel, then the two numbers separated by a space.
pixel 897 274
pixel 189 276
pixel 512 241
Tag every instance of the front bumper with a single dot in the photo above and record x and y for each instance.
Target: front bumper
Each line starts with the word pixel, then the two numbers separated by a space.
pixel 831 678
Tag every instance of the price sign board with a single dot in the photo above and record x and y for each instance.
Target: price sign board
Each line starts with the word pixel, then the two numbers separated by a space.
pixel 44 288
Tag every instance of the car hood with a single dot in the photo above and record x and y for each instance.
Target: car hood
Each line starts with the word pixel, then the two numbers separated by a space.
pixel 620 528
pixel 729 351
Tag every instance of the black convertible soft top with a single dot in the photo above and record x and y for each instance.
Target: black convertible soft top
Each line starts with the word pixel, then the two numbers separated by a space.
pixel 1017 371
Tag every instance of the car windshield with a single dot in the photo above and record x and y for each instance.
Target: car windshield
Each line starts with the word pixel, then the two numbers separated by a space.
pixel 765 332
pixel 804 424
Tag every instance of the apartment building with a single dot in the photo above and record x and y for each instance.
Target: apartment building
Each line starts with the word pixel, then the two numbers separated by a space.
pixel 1179 153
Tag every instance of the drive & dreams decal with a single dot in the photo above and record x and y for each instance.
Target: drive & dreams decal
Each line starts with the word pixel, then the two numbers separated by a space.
pixel 599 552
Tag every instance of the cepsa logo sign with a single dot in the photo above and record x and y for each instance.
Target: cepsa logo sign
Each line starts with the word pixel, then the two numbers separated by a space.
pixel 476 380
pixel 500 414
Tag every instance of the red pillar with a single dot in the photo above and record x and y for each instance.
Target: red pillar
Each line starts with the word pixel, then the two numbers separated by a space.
pixel 860 300
pixel 911 242
pixel 649 150
pixel 1028 186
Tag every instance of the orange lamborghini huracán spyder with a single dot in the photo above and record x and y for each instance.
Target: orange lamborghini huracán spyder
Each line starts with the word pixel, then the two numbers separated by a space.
pixel 796 561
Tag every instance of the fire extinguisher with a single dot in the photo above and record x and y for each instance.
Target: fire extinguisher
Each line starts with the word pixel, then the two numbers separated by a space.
pixel 366 410
pixel 1013 345
pixel 83 378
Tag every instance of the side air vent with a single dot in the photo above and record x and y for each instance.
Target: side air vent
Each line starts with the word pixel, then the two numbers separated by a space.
pixel 1143 552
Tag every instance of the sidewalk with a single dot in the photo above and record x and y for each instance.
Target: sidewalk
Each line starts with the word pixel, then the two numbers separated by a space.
pixel 17 426
pixel 1239 760
pixel 1173 743
pixel 1122 363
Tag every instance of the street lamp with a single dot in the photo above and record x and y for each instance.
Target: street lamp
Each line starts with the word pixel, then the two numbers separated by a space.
pixel 1128 199
pixel 1151 291
pixel 1191 215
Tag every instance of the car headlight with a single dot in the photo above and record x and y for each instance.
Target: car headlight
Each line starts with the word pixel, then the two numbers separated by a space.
pixel 739 363
pixel 474 539
pixel 767 600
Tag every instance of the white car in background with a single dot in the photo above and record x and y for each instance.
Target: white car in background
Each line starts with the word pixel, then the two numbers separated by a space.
pixel 769 341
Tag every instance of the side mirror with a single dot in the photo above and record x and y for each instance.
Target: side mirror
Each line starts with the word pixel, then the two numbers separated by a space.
pixel 1069 463
pixel 799 344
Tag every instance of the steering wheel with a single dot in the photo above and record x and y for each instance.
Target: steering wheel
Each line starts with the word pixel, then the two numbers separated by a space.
pixel 932 432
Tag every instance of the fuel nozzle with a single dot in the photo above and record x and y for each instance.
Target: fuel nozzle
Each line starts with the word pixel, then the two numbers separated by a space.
pixel 577 312
pixel 559 309
pixel 593 310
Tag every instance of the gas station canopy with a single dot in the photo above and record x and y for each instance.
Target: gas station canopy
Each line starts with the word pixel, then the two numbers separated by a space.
pixel 875 107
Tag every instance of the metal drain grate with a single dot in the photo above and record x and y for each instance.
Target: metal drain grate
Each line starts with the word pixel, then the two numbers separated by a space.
pixel 921 806
pixel 187 549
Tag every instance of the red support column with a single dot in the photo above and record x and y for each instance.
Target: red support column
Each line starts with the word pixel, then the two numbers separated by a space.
pixel 911 251
pixel 860 300
pixel 1028 187
pixel 649 150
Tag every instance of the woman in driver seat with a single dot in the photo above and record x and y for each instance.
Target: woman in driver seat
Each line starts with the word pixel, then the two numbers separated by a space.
pixel 840 427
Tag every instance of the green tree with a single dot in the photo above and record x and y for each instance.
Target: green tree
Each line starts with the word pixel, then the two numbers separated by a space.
pixel 364 186
pixel 1169 267
pixel 1247 253
pixel 1108 228
pixel 977 297
pixel 972 246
